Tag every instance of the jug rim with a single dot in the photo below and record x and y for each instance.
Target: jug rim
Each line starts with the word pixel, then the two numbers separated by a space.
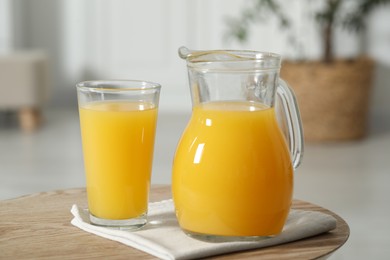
pixel 243 59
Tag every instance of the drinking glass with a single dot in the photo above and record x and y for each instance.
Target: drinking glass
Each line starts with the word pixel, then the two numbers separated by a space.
pixel 118 124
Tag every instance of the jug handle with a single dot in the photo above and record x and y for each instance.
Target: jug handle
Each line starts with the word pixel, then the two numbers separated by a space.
pixel 294 124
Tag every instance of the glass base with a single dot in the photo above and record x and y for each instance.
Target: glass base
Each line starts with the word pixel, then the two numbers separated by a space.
pixel 121 224
pixel 219 239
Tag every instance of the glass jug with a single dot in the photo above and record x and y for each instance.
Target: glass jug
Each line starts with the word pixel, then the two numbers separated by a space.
pixel 233 167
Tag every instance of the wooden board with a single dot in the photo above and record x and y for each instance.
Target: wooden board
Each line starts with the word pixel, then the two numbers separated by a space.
pixel 38 226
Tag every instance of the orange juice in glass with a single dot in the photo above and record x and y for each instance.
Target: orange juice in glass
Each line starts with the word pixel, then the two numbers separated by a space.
pixel 118 123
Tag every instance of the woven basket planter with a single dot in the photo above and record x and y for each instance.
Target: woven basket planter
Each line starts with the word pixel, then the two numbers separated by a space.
pixel 333 98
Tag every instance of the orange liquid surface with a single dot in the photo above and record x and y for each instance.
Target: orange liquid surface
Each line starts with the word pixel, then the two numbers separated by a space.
pixel 118 140
pixel 232 173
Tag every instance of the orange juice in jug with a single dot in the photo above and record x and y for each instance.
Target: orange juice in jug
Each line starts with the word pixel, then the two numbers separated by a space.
pixel 232 172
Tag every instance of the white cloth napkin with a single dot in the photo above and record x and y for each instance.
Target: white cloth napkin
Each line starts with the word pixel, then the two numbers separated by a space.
pixel 163 238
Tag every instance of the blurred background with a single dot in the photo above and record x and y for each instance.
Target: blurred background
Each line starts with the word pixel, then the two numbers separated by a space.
pixel 47 46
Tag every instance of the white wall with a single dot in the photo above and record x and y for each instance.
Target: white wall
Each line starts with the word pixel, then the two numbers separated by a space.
pixel 6 35
pixel 94 39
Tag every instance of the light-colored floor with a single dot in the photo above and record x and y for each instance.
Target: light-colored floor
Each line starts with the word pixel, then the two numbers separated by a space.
pixel 351 179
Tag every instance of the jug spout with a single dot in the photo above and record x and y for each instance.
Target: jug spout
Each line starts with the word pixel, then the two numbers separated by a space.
pixel 184 52
pixel 187 54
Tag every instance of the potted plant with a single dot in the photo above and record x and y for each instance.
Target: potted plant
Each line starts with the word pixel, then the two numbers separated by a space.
pixel 333 93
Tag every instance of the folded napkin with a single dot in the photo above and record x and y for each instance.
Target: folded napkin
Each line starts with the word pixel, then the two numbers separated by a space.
pixel 163 238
